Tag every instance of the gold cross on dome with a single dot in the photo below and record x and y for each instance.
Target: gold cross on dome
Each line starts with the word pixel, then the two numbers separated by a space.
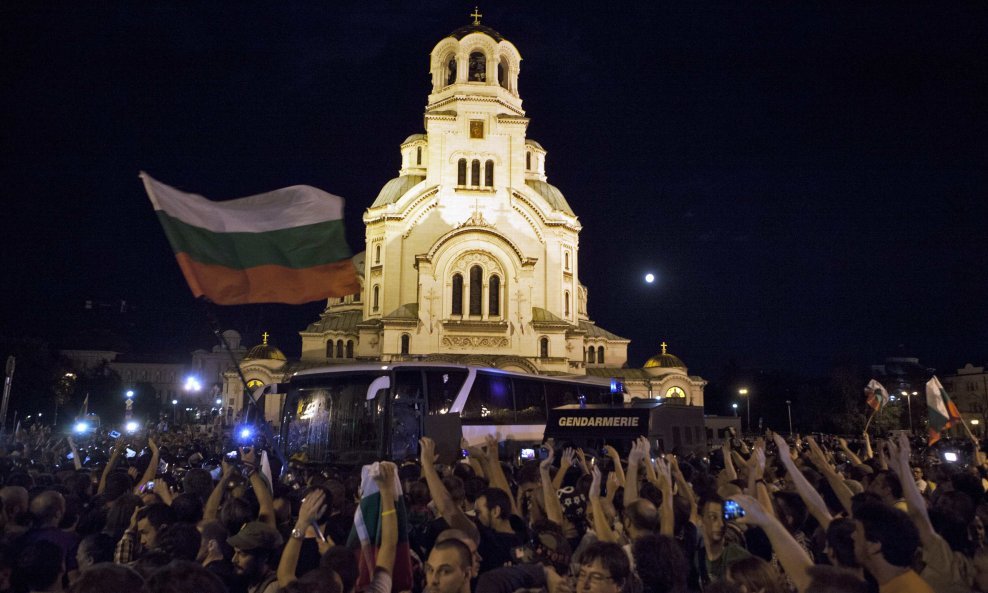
pixel 476 15
pixel 663 347
pixel 264 337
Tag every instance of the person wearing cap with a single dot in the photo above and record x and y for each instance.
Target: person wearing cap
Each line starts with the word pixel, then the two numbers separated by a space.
pixel 253 549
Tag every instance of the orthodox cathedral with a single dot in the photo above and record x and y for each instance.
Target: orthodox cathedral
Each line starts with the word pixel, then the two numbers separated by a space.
pixel 472 256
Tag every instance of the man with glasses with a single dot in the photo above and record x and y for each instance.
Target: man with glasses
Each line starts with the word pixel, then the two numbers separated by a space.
pixel 604 568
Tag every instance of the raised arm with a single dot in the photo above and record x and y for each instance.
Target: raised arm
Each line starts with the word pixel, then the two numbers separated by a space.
pixel 898 459
pixel 212 509
pixel 868 453
pixel 601 525
pixel 447 508
pixel 553 509
pixel 389 516
pixel 565 462
pixel 616 459
pixel 75 454
pixel 152 468
pixel 631 477
pixel 495 473
pixel 667 515
pixel 261 488
pixel 725 450
pixel 118 448
pixel 836 482
pixel 791 555
pixel 814 502
pixel 684 489
pixel 313 507
pixel 851 456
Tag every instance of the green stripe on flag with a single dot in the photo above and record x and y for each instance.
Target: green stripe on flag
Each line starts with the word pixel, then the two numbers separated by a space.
pixel 298 248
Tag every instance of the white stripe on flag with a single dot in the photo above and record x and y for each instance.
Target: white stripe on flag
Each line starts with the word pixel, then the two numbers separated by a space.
pixel 289 207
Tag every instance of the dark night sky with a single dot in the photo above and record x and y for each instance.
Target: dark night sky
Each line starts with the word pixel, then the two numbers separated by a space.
pixel 808 181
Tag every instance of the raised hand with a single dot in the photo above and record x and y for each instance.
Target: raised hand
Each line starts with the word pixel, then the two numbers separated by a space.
pixel 783 447
pixel 754 512
pixel 313 507
pixel 427 452
pixel 386 477
pixel 547 462
pixel 566 459
pixel 595 482
pixel 663 472
pixel 613 482
pixel 152 445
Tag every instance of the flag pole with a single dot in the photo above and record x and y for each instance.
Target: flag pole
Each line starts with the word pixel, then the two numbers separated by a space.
pixel 872 416
pixel 266 430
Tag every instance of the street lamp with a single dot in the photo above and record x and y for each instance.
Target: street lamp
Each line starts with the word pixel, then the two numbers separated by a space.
pixel 735 406
pixel 129 404
pixel 909 407
pixel 175 411
pixel 789 410
pixel 743 392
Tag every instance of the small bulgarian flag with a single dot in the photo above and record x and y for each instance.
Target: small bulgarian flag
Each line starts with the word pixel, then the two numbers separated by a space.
pixel 943 413
pixel 877 395
pixel 285 246
pixel 365 535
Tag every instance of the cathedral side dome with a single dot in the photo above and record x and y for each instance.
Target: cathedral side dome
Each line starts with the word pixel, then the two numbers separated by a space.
pixel 396 188
pixel 665 361
pixel 476 28
pixel 265 351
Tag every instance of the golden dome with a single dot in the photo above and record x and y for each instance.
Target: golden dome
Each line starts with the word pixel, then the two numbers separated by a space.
pixel 664 360
pixel 265 351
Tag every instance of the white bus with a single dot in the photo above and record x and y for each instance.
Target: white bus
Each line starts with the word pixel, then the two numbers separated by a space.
pixel 355 413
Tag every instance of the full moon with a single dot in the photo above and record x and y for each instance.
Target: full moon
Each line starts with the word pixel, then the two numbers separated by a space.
pixel 650 278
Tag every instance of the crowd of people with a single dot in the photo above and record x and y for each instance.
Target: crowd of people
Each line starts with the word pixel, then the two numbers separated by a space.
pixel 172 512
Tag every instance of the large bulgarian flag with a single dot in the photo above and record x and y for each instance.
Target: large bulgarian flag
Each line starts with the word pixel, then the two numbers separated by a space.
pixel 943 413
pixel 284 246
pixel 365 535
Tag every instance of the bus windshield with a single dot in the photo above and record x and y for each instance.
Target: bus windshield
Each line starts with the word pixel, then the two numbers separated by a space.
pixel 329 419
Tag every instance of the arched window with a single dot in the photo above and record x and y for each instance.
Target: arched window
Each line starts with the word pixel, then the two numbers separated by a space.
pixel 544 348
pixel 600 354
pixel 349 348
pixel 377 254
pixel 566 259
pixel 418 155
pixel 475 173
pixel 329 349
pixel 339 349
pixel 478 67
pixel 591 355
pixel 528 160
pixel 356 298
pixel 377 298
pixel 457 294
pixel 502 73
pixel 461 172
pixel 451 68
pixel 405 339
pixel 476 289
pixel 494 296
pixel 489 174
pixel 566 304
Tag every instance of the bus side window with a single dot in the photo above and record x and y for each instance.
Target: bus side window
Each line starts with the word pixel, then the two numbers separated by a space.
pixel 442 386
pixel 529 401
pixel 408 385
pixel 560 394
pixel 490 400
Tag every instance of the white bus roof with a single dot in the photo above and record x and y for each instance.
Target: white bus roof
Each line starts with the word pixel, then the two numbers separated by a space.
pixel 381 366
